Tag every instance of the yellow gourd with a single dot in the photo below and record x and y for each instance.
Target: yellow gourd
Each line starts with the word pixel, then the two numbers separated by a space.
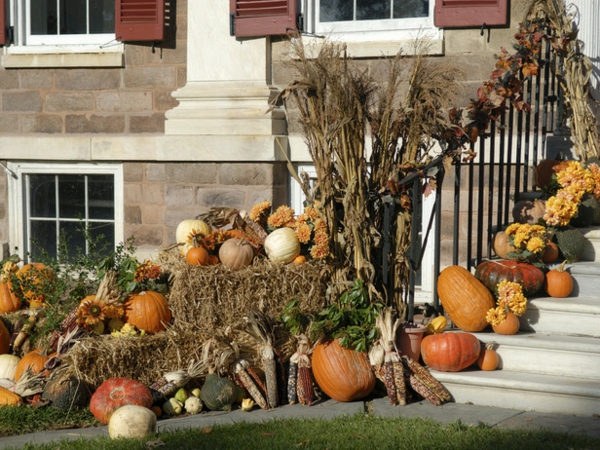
pixel 437 325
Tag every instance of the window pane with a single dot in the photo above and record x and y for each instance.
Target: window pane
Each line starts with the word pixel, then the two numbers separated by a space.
pixel 42 239
pixel 101 195
pixel 102 16
pixel 43 17
pixel 104 235
pixel 73 238
pixel 373 9
pixel 411 8
pixel 42 195
pixel 71 196
pixel 336 10
pixel 73 17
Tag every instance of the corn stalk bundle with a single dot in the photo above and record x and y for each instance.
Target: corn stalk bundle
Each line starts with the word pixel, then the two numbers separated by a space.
pixel 259 327
pixel 300 378
pixel 392 369
pixel 64 343
pixel 425 384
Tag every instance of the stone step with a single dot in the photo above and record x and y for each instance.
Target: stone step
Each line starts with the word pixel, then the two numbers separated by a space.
pixel 575 316
pixel 547 354
pixel 521 390
pixel 591 250
pixel 585 276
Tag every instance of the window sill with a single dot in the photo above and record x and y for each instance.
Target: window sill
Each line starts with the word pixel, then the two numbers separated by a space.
pixel 43 57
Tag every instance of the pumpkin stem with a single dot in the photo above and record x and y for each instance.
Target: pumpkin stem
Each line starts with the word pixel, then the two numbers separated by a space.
pixel 561 268
pixel 490 345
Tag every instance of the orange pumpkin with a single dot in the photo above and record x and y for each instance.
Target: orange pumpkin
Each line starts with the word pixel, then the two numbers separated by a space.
pixel 116 392
pixel 147 310
pixel 510 325
pixel 343 374
pixel 9 302
pixel 8 398
pixel 488 358
pixel 464 298
pixel 559 282
pixel 450 351
pixel 197 256
pixel 34 360
pixel 4 338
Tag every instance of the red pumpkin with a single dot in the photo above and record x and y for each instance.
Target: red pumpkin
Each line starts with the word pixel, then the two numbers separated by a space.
pixel 117 392
pixel 4 338
pixel 464 298
pixel 34 360
pixel 559 282
pixel 344 375
pixel 450 351
pixel 148 310
pixel 528 276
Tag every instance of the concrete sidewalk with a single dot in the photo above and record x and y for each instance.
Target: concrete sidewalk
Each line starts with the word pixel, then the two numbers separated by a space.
pixel 450 412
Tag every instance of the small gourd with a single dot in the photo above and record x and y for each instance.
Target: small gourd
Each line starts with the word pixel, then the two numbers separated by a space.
pixel 172 407
pixel 132 421
pixel 282 245
pixel 488 358
pixel 197 256
pixel 193 405
pixel 559 282
pixel 236 254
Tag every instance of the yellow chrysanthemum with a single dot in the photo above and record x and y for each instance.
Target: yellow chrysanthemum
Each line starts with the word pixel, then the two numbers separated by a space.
pixel 495 316
pixel 258 210
pixel 303 232
pixel 536 245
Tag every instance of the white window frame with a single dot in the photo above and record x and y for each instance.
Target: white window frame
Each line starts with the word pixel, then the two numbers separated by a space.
pixel 17 196
pixel 424 292
pixel 371 30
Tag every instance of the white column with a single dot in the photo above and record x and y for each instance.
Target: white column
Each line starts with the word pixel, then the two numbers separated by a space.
pixel 228 81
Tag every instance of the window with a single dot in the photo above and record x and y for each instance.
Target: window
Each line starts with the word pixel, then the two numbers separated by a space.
pixel 52 205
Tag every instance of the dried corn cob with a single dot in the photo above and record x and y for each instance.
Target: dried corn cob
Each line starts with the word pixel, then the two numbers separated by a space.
pixel 270 376
pixel 423 391
pixel 400 381
pixel 392 370
pixel 170 382
pixel 389 382
pixel 305 385
pixel 428 380
pixel 292 382
pixel 24 332
pixel 245 380
pixel 257 378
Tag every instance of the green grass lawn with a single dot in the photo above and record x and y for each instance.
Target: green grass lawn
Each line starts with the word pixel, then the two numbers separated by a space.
pixel 356 432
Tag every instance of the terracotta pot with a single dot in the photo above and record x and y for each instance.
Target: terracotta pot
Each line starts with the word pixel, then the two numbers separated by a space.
pixel 510 325
pixel 409 342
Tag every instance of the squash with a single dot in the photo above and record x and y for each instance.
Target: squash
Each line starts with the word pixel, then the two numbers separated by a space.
pixel 193 405
pixel 66 392
pixel 4 338
pixel 34 360
pixel 282 245
pixel 510 325
pixel 218 394
pixel 343 374
pixel 559 282
pixel 464 298
pixel 8 398
pixel 488 357
pixel 527 211
pixel 188 227
pixel 197 256
pixel 116 392
pixel 147 310
pixel 530 277
pixel 132 421
pixel 8 366
pixel 501 245
pixel 236 254
pixel 450 351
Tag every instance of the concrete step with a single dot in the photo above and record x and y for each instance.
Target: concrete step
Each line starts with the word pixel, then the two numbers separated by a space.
pixel 520 390
pixel 547 354
pixel 592 245
pixel 574 316
pixel 585 276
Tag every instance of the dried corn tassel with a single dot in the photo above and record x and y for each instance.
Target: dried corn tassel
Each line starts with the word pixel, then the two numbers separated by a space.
pixel 247 382
pixel 427 381
pixel 376 358
pixel 392 370
pixel 292 382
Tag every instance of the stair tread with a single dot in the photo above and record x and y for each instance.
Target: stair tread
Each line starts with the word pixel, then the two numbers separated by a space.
pixel 580 344
pixel 585 305
pixel 521 381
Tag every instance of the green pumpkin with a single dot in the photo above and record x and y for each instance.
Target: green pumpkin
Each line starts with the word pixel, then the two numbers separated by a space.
pixel 218 394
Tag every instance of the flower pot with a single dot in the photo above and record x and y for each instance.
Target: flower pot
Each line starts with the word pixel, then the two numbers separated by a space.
pixel 410 338
pixel 510 325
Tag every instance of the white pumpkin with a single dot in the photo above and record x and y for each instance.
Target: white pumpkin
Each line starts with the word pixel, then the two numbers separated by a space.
pixel 282 245
pixel 132 421
pixel 185 228
pixel 8 366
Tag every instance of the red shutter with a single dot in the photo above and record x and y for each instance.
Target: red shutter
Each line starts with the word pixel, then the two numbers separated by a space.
pixel 140 20
pixel 263 17
pixel 2 23
pixel 470 13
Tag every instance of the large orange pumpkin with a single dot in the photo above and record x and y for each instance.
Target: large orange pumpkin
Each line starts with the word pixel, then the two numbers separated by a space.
pixel 4 338
pixel 464 298
pixel 148 310
pixel 116 392
pixel 343 374
pixel 34 360
pixel 492 272
pixel 450 351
